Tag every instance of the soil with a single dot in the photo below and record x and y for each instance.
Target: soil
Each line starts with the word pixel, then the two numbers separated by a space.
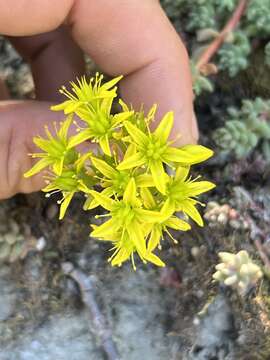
pixel 154 314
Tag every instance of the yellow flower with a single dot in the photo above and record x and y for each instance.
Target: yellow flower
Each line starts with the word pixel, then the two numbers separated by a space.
pixel 92 103
pixel 68 183
pixel 182 193
pixel 56 150
pixel 86 97
pixel 100 128
pixel 127 226
pixel 115 181
pixel 170 221
pixel 153 150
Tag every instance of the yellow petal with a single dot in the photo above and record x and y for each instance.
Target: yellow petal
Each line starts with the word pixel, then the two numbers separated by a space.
pixel 137 135
pixel 79 138
pixel 104 168
pixel 154 259
pixel 167 209
pixel 63 132
pixel 188 208
pixel 163 130
pixel 199 152
pixel 136 236
pixel 131 162
pixel 103 200
pixel 58 166
pixel 145 180
pixel 119 118
pixel 122 255
pixel 109 84
pixel 40 165
pixel 130 193
pixel 177 224
pixel 105 145
pixel 157 170
pixel 182 173
pixel 150 216
pixel 147 197
pixel 154 239
pixel 61 106
pixel 65 203
pixel 199 187
pixel 105 229
pixel 131 150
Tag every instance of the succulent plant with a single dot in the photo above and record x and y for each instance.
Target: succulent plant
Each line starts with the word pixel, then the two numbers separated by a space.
pixel 12 242
pixel 258 17
pixel 200 83
pixel 267 54
pixel 237 271
pixel 245 128
pixel 201 15
pixel 233 56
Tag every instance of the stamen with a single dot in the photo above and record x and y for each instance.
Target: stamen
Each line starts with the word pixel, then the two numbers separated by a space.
pixel 133 262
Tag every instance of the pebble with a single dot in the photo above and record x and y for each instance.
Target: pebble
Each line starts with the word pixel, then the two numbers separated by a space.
pixel 52 211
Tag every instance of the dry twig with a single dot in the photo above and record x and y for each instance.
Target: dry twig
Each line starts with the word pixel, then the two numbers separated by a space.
pixel 209 52
pixel 87 294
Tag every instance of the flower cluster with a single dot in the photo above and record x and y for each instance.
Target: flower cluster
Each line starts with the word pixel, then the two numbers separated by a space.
pixel 126 174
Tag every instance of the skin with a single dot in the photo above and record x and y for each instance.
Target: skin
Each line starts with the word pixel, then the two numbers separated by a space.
pixel 129 37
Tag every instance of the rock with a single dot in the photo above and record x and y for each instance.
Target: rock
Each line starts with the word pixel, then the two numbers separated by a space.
pixel 217 333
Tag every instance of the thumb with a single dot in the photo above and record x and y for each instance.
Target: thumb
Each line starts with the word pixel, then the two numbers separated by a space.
pixel 20 121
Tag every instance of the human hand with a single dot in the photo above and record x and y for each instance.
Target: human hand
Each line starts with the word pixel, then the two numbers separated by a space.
pixel 132 38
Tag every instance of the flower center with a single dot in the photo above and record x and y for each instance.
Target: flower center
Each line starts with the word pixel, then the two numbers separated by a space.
pixel 154 149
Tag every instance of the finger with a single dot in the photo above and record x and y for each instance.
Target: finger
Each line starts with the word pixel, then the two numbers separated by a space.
pixel 139 42
pixel 4 95
pixel 54 59
pixel 20 121
pixel 132 37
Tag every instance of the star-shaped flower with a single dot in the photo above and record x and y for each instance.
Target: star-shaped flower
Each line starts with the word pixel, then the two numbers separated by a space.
pixel 126 226
pixel 56 150
pixel 182 192
pixel 154 150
